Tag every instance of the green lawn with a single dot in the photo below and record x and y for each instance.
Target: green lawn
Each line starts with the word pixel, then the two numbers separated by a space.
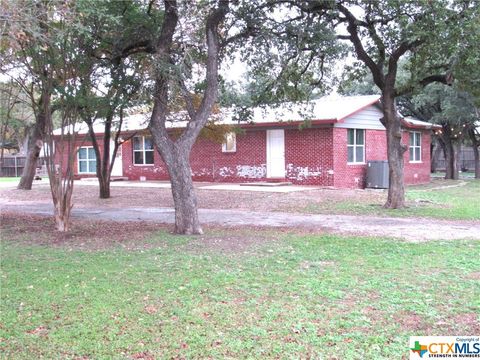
pixel 282 295
pixel 456 203
pixel 9 179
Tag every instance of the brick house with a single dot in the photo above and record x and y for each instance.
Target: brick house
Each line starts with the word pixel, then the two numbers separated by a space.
pixel 327 142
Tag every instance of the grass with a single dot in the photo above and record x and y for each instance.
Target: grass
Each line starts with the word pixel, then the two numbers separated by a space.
pixel 462 174
pixel 294 296
pixel 9 179
pixel 456 203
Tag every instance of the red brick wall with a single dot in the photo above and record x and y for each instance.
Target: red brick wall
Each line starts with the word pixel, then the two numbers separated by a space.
pixel 418 173
pixel 208 162
pixel 309 156
pixel 247 163
pixel 61 155
pixel 156 171
pixel 354 175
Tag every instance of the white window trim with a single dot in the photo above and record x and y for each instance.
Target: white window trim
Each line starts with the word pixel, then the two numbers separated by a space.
pixel 143 150
pixel 87 160
pixel 354 145
pixel 419 161
pixel 224 144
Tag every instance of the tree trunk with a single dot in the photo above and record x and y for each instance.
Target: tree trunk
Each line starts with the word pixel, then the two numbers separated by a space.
pixel 103 165
pixel 477 162
pixel 435 153
pixel 458 161
pixel 60 224
pixel 2 138
pixel 474 138
pixel 61 183
pixel 104 183
pixel 184 197
pixel 104 178
pixel 61 190
pixel 62 216
pixel 451 154
pixel 1 159
pixel 395 151
pixel 451 161
pixel 176 154
pixel 34 148
pixel 448 160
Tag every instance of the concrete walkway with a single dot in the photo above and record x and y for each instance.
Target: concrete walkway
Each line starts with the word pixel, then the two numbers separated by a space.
pixel 262 187
pixel 411 229
pixel 201 185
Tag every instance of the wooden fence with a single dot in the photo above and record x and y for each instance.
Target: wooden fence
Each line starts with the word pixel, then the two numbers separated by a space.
pixel 466 160
pixel 12 165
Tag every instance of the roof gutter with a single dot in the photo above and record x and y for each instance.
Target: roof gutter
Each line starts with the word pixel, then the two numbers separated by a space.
pixel 408 125
pixel 286 123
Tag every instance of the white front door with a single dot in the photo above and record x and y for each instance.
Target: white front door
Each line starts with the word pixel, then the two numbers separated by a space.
pixel 276 153
pixel 117 169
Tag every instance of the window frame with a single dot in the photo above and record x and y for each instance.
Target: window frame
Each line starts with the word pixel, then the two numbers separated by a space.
pixel 355 146
pixel 87 160
pixel 414 147
pixel 224 144
pixel 143 151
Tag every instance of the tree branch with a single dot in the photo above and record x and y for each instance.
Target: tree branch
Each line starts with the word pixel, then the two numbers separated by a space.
pixel 352 28
pixel 194 127
pixel 163 49
pixel 446 79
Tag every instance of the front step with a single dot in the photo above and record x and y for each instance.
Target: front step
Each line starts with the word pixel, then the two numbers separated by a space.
pixel 267 183
pixel 94 178
pixel 277 180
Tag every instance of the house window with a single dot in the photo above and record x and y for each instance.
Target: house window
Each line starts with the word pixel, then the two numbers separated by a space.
pixel 142 150
pixel 230 144
pixel 356 146
pixel 87 161
pixel 415 147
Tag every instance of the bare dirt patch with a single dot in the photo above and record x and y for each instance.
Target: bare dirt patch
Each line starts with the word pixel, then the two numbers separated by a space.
pixel 92 235
pixel 86 196
pixel 88 235
pixel 474 275
pixel 409 321
pixel 470 321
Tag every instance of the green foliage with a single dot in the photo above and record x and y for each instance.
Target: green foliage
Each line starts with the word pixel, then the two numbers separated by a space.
pixel 41 53
pixel 466 69
pixel 15 115
pixel 111 77
pixel 413 42
pixel 355 83
pixel 449 44
pixel 291 54
pixel 442 104
pixel 448 106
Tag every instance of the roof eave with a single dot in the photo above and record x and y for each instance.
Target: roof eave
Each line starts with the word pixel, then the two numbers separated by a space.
pixel 287 123
pixel 408 125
